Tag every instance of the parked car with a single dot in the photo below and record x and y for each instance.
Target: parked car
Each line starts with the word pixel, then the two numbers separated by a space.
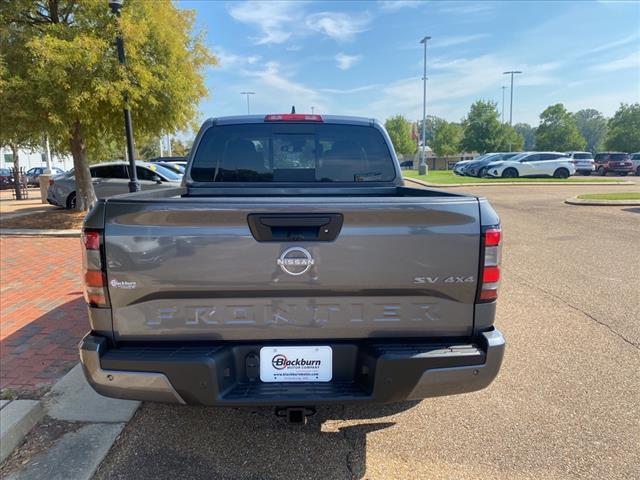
pixel 6 178
pixel 458 168
pixel 110 179
pixel 34 173
pixel 478 167
pixel 176 167
pixel 583 162
pixel 533 164
pixel 254 289
pixel 635 161
pixel 616 162
pixel 174 159
pixel 408 164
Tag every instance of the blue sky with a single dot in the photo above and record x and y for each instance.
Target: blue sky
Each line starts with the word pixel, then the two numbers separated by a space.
pixel 364 58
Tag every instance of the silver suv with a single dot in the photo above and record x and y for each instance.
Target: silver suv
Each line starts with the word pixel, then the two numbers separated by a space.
pixel 110 179
pixel 583 162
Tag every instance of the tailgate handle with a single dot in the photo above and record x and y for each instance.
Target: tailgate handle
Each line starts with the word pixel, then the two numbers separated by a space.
pixel 323 227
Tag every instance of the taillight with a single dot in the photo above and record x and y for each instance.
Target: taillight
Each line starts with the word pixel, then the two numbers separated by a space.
pixel 95 292
pixel 293 117
pixel 490 271
pixel 51 182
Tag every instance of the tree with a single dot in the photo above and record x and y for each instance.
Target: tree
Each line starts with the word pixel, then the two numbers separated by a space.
pixel 482 128
pixel 76 83
pixel 432 123
pixel 180 148
pixel 447 139
pixel 17 128
pixel 399 129
pixel 624 129
pixel 509 140
pixel 592 126
pixel 558 131
pixel 528 134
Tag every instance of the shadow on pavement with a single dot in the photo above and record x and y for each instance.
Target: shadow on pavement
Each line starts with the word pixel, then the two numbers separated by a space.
pixel 632 210
pixel 35 353
pixel 166 441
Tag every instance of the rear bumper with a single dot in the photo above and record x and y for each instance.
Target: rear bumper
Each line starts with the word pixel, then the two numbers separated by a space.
pixel 220 374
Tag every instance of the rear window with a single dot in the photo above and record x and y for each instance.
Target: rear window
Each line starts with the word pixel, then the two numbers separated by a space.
pixel 582 156
pixel 292 153
pixel 618 157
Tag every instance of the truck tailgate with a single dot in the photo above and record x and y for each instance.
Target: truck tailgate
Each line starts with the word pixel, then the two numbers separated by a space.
pixel 191 269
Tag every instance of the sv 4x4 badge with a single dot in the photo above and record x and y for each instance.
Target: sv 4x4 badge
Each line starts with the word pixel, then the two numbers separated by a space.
pixel 450 279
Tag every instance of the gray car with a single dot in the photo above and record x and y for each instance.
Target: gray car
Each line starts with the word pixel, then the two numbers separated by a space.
pixel 110 179
pixel 34 173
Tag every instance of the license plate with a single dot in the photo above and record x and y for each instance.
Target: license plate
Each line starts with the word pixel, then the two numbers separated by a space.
pixel 296 364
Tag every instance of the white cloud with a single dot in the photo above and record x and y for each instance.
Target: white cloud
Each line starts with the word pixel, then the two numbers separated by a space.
pixel 337 25
pixel 347 91
pixel 465 8
pixel 275 19
pixel 614 44
pixel 394 5
pixel 229 60
pixel 630 61
pixel 458 40
pixel 345 62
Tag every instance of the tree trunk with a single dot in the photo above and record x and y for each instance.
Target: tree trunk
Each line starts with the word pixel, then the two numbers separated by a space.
pixel 85 196
pixel 17 184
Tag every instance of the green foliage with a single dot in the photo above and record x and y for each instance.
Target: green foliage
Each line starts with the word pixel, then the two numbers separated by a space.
pixel 624 129
pixel 399 129
pixel 432 123
pixel 528 133
pixel 180 148
pixel 558 131
pixel 447 139
pixel 509 140
pixel 592 126
pixel 482 128
pixel 62 60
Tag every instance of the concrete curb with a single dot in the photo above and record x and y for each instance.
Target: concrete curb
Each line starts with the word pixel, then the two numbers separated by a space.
pixel 76 454
pixel 17 418
pixel 493 184
pixel 33 232
pixel 602 203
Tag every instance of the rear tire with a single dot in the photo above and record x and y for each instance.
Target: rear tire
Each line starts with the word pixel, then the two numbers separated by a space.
pixel 561 173
pixel 602 171
pixel 510 173
pixel 71 201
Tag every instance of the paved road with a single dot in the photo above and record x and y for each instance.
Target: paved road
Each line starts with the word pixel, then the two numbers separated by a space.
pixel 566 404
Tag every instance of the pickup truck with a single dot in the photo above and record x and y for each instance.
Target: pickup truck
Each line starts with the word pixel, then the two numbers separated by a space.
pixel 292 268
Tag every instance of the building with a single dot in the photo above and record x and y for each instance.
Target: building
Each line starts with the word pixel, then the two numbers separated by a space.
pixel 33 158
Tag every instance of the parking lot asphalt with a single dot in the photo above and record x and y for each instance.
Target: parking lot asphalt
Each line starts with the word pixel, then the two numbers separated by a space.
pixel 565 405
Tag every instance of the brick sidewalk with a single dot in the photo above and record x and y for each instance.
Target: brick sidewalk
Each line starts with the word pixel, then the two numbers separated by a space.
pixel 42 312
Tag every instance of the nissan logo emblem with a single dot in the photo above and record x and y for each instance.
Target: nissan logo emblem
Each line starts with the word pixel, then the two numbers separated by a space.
pixel 295 261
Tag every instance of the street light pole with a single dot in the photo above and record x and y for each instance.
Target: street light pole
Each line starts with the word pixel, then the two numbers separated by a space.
pixel 312 110
pixel 422 166
pixel 503 89
pixel 247 94
pixel 512 73
pixel 134 185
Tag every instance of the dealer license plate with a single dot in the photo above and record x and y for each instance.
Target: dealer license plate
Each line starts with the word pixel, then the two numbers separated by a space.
pixel 296 364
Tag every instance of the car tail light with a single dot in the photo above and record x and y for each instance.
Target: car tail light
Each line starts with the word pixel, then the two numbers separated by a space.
pixel 490 269
pixel 94 273
pixel 51 182
pixel 293 117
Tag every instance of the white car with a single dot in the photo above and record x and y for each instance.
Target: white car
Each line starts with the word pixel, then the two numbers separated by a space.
pixel 533 164
pixel 583 161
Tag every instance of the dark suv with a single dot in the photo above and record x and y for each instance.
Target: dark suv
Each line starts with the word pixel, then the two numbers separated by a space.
pixel 617 162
